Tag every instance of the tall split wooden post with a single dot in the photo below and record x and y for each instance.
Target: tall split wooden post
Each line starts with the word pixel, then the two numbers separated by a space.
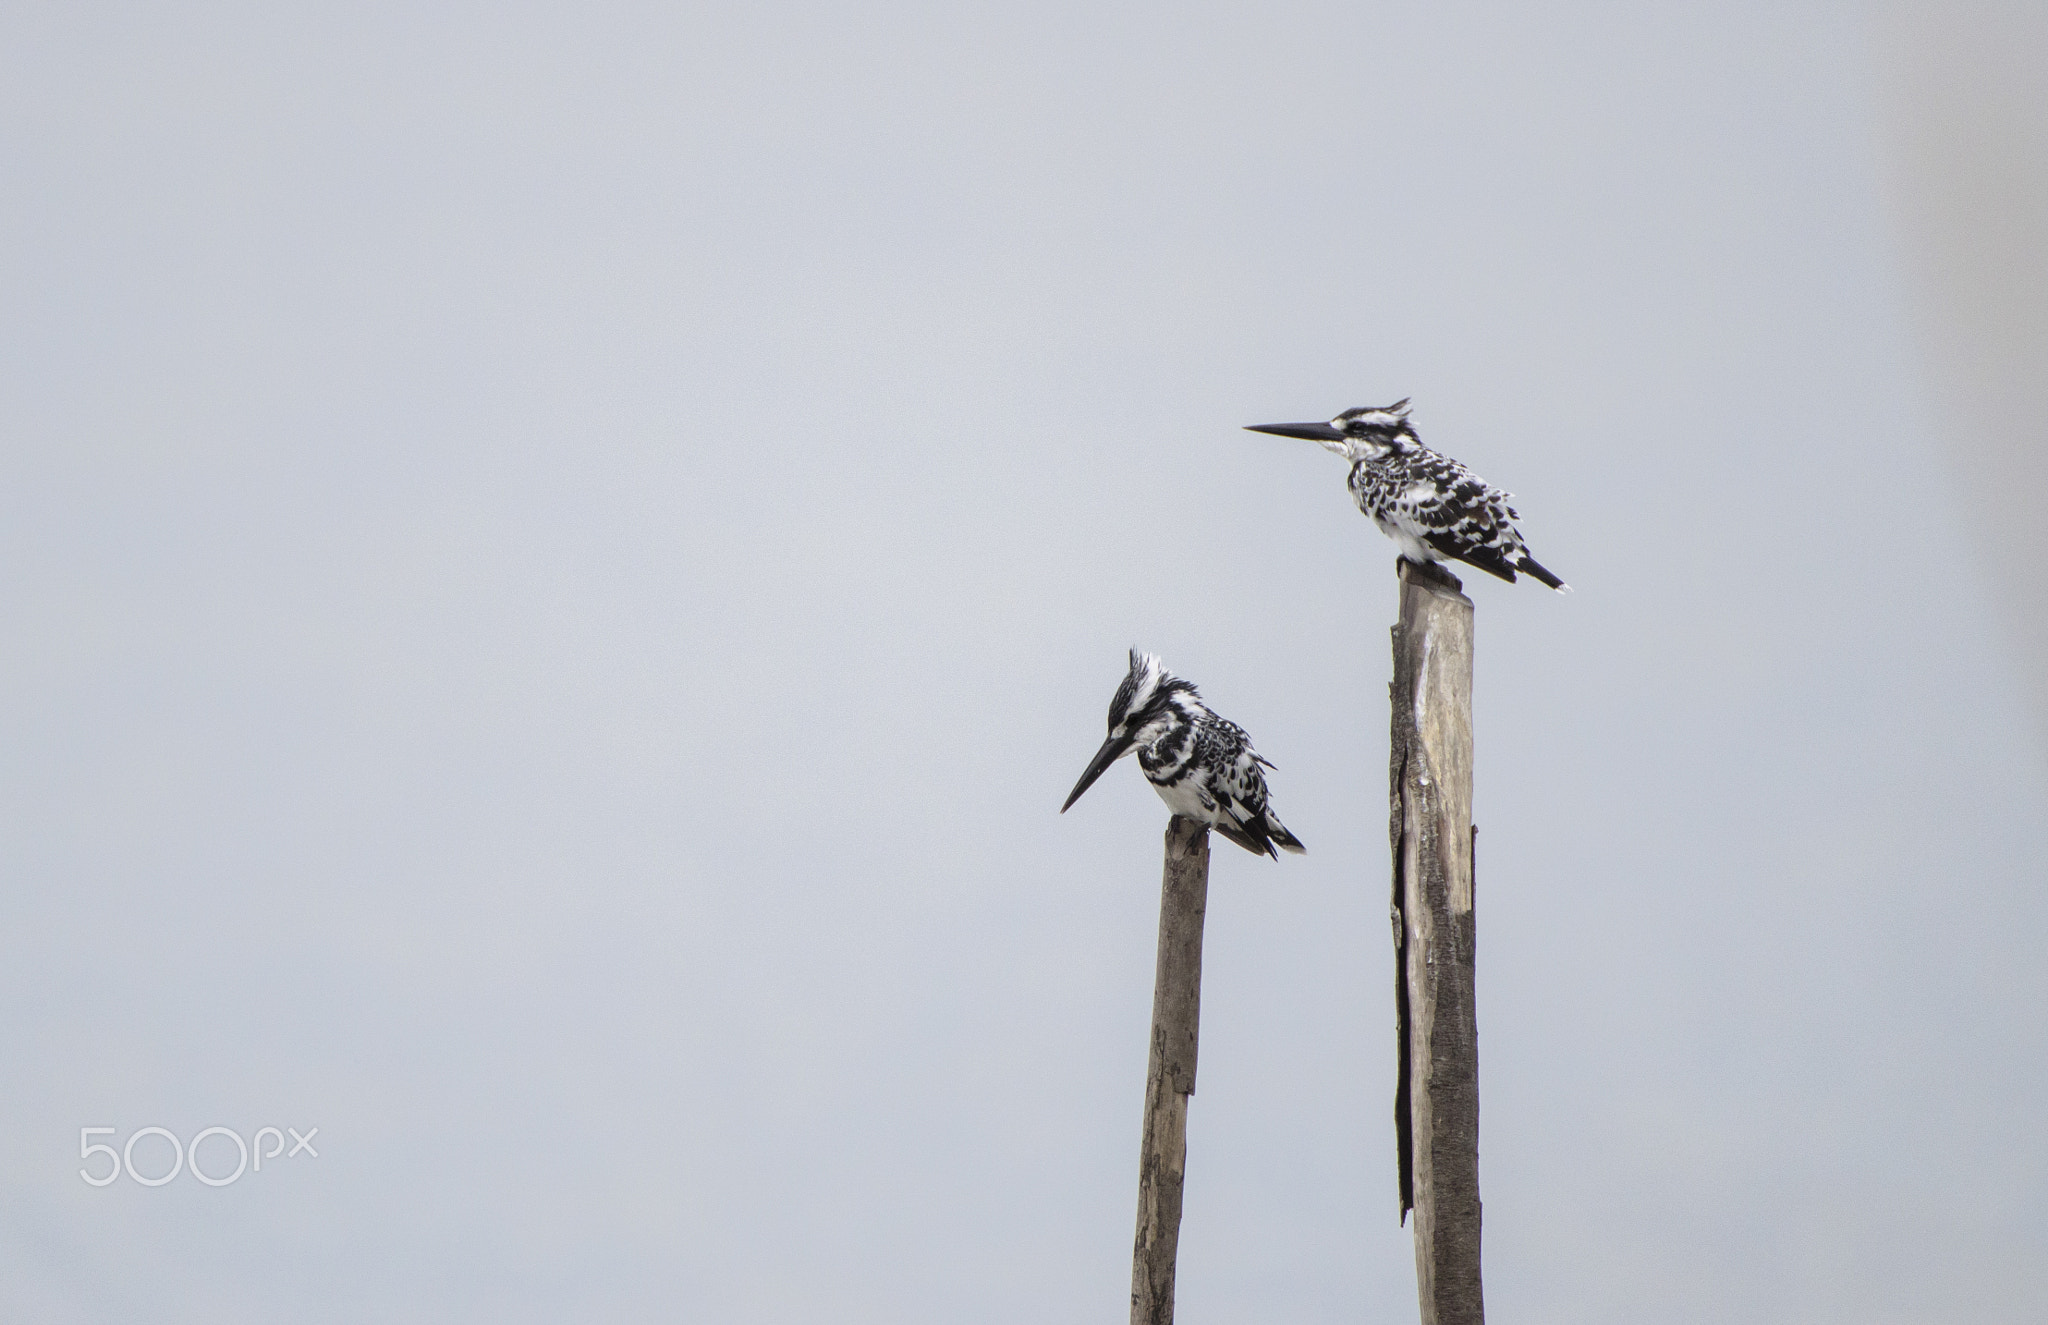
pixel 1436 1102
pixel 1170 1074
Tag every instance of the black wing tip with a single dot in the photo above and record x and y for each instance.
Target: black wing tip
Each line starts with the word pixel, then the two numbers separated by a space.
pixel 1255 843
pixel 1265 838
pixel 1493 563
pixel 1489 561
pixel 1475 555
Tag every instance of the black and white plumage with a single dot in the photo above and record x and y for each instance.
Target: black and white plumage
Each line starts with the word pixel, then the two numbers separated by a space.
pixel 1202 765
pixel 1434 508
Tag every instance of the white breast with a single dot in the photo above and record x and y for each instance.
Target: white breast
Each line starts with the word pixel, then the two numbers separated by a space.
pixel 1185 799
pixel 1412 547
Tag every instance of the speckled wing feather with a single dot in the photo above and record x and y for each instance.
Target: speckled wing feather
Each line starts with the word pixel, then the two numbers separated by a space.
pixel 1433 499
pixel 1239 789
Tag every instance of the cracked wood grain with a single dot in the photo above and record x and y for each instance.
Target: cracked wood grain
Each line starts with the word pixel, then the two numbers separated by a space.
pixel 1436 1094
pixel 1170 1073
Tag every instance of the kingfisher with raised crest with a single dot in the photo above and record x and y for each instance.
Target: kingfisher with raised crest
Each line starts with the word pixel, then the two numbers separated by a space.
pixel 1201 764
pixel 1434 508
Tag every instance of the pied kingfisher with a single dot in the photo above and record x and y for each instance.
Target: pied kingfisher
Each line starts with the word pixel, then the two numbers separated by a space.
pixel 1429 504
pixel 1203 766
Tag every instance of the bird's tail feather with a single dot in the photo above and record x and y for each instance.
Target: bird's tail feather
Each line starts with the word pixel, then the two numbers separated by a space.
pixel 1528 565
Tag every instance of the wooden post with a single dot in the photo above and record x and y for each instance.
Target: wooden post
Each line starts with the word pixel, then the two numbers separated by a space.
pixel 1436 1103
pixel 1170 1075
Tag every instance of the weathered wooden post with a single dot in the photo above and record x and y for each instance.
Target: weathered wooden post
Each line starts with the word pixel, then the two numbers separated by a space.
pixel 1170 1073
pixel 1436 1101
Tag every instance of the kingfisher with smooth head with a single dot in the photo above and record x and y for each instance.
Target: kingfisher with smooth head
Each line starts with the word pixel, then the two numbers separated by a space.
pixel 1433 508
pixel 1201 764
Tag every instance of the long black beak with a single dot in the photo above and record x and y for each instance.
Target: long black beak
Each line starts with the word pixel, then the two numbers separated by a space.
pixel 1112 750
pixel 1314 432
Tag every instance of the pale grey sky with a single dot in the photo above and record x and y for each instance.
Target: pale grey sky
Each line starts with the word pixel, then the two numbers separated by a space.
pixel 560 565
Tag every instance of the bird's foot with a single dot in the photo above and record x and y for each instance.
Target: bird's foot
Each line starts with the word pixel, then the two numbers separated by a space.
pixel 1428 572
